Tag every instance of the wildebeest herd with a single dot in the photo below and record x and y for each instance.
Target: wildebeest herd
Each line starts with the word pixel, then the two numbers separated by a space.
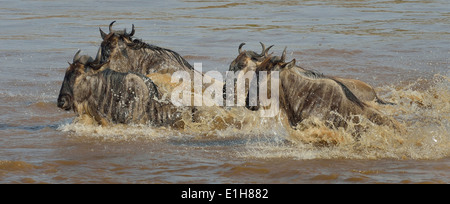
pixel 116 86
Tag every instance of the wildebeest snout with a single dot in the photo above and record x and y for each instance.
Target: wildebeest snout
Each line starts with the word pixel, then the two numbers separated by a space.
pixel 64 102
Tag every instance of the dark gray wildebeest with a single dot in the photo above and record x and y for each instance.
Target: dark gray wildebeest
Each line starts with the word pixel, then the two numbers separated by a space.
pixel 123 53
pixel 241 70
pixel 127 54
pixel 248 61
pixel 109 97
pixel 304 93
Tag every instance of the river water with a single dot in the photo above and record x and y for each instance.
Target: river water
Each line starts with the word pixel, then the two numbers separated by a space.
pixel 399 47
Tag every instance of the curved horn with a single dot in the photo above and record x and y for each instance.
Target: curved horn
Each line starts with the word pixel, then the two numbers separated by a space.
pixel 110 26
pixel 132 30
pixel 283 56
pixel 263 49
pixel 97 66
pixel 240 47
pixel 267 51
pixel 76 57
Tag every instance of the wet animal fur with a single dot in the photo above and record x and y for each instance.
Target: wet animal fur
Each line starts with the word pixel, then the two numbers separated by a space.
pixel 305 93
pixel 249 60
pixel 127 54
pixel 128 98
pixel 110 97
pixel 245 62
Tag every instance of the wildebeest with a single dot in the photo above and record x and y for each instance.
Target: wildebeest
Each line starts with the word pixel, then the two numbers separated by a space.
pixel 123 53
pixel 249 60
pixel 127 54
pixel 304 93
pixel 242 68
pixel 109 97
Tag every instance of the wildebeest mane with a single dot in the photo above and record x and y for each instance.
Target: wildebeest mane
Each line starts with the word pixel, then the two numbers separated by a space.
pixel 312 74
pixel 139 44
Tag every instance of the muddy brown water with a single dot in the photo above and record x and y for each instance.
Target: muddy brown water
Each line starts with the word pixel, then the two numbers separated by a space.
pixel 399 47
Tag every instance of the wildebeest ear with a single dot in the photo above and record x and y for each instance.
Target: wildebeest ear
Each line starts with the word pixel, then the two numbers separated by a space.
pixel 289 64
pixel 103 34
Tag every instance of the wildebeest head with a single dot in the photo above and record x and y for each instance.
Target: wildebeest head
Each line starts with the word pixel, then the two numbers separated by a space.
pixel 275 63
pixel 111 41
pixel 75 69
pixel 248 59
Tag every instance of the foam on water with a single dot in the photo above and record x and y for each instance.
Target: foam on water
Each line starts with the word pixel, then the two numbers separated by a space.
pixel 423 110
